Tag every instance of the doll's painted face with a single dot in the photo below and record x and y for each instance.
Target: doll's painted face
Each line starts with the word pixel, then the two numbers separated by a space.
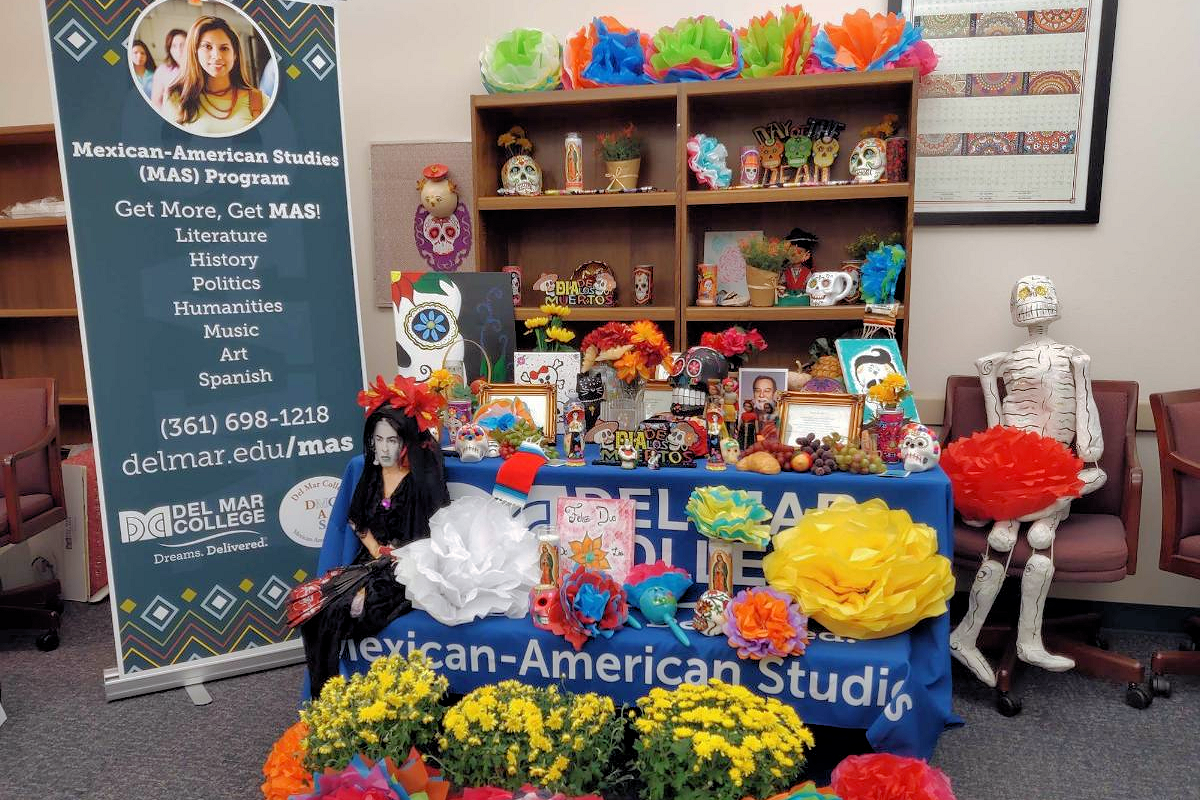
pixel 387 444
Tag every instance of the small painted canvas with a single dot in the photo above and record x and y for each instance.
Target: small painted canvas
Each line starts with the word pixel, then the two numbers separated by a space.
pixel 557 369
pixel 721 248
pixel 865 362
pixel 441 318
pixel 597 533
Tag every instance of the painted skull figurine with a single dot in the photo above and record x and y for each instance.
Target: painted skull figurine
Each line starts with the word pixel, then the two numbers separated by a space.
pixel 828 287
pixel 440 233
pixel 709 617
pixel 471 443
pixel 1034 301
pixel 541 599
pixel 690 375
pixel 867 160
pixel 796 150
pixel 920 447
pixel 825 150
pixel 521 175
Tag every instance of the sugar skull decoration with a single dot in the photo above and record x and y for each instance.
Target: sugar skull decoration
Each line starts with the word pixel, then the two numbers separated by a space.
pixel 920 447
pixel 828 287
pixel 708 619
pixel 772 162
pixel 541 598
pixel 825 147
pixel 690 375
pixel 643 284
pixel 471 443
pixel 797 150
pixel 706 159
pixel 750 162
pixel 656 590
pixel 441 224
pixel 867 160
pixel 520 174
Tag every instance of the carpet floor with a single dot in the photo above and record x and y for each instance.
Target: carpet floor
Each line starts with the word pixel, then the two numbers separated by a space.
pixel 1075 740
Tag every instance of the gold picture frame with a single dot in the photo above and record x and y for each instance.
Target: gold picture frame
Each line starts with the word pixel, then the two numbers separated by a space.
pixel 802 413
pixel 541 398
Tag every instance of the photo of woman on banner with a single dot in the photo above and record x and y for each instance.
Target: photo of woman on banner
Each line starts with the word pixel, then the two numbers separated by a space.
pixel 143 65
pixel 385 501
pixel 223 74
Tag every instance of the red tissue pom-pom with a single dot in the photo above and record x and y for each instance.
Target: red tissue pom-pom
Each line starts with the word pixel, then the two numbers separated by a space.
pixel 1006 473
pixel 883 776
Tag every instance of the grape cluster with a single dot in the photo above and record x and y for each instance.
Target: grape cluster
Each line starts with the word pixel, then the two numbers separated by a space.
pixel 822 456
pixel 780 452
pixel 849 457
pixel 509 440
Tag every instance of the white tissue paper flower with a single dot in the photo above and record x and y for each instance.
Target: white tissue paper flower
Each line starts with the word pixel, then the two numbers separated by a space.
pixel 478 560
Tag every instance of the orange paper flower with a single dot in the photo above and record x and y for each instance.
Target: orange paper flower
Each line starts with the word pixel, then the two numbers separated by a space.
pixel 284 768
pixel 862 38
pixel 762 622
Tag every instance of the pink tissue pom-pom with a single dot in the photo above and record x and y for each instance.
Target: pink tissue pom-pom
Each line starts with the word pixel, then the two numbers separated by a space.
pixel 920 55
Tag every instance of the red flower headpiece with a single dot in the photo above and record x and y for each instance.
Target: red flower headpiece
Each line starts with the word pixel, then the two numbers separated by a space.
pixel 415 398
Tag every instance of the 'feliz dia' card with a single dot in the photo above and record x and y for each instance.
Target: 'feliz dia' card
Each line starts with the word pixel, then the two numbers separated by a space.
pixel 597 533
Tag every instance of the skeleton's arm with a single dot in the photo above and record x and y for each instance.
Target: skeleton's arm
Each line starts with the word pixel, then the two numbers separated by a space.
pixel 989 368
pixel 1089 439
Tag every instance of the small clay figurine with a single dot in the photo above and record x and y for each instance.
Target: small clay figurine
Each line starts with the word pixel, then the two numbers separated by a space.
pixel 653 459
pixel 439 195
pixel 748 430
pixel 628 454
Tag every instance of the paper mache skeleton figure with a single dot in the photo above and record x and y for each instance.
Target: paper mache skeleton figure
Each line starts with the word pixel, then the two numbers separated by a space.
pixel 1049 392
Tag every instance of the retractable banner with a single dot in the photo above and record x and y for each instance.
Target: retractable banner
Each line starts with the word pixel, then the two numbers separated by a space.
pixel 204 169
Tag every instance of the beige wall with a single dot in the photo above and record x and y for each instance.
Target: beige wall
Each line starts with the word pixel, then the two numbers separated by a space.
pixel 406 77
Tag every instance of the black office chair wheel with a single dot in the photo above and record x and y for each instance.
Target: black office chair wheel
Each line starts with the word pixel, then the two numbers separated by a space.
pixel 1138 695
pixel 1007 705
pixel 1160 686
pixel 47 641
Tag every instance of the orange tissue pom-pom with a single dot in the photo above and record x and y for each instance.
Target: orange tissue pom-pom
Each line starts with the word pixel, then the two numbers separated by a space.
pixel 284 768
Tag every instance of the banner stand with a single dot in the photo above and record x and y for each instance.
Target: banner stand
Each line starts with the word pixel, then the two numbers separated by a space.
pixel 179 676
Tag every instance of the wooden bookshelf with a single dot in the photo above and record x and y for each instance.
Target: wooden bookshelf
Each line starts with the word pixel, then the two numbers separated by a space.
pixel 39 318
pixel 557 232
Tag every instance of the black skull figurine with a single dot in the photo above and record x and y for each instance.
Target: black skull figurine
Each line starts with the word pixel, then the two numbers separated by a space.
pixel 690 376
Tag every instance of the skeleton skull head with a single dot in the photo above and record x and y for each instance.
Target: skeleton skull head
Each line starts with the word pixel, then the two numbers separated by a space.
pixel 682 436
pixel 709 617
pixel 750 164
pixel 440 233
pixel 1034 301
pixel 471 443
pixel 772 154
pixel 690 375
pixel 521 175
pixel 920 447
pixel 867 160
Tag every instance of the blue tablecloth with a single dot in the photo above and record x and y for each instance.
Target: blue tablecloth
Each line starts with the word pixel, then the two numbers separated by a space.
pixel 896 689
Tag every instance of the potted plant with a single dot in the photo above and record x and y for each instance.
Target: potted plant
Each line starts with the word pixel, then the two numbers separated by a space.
pixel 765 259
pixel 622 154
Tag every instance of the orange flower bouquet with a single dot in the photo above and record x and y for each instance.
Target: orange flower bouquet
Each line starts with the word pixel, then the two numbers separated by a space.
pixel 284 768
pixel 633 349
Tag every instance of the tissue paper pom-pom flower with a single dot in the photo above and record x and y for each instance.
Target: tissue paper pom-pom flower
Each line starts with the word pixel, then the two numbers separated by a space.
pixel 642 576
pixel 590 604
pixel 881 271
pixel 1006 473
pixel 284 768
pixel 806 791
pixel 861 570
pixel 762 622
pixel 883 776
pixel 730 515
pixel 356 782
pixel 920 56
pixel 776 45
pixel 604 53
pixel 706 159
pixel 477 561
pixel 522 60
pixel 695 49
pixel 868 42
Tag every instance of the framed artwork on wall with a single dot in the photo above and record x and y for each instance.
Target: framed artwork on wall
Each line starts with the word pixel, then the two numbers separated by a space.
pixel 1011 123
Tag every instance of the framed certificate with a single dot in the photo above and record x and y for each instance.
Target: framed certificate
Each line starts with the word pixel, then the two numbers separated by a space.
pixel 803 413
pixel 1011 123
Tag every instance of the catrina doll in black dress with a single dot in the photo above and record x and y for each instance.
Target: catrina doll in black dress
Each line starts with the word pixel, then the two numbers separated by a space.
pixel 400 483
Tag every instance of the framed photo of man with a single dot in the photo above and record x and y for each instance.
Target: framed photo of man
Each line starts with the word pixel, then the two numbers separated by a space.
pixel 761 386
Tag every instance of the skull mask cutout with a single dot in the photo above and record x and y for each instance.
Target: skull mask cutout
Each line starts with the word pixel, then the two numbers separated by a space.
pixel 797 149
pixel 920 447
pixel 867 160
pixel 690 375
pixel 1034 301
pixel 521 175
pixel 471 443
pixel 440 233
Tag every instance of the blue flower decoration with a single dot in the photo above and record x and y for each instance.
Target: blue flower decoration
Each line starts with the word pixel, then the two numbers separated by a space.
pixel 589 604
pixel 431 325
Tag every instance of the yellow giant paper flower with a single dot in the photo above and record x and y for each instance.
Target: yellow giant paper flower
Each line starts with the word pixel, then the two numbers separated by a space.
pixel 861 570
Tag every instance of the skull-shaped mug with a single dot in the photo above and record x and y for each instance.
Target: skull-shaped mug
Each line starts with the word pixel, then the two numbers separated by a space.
pixel 828 287
pixel 920 447
pixel 690 375
pixel 867 160
pixel 521 175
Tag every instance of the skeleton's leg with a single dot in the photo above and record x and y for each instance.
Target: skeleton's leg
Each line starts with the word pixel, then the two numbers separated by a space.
pixel 1035 585
pixel 983 594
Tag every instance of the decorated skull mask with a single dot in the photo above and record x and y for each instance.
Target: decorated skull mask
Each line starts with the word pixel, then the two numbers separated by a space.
pixel 521 175
pixel 471 443
pixel 920 447
pixel 825 150
pixel 541 598
pixel 709 617
pixel 440 233
pixel 867 160
pixel 797 149
pixel 690 375
pixel 1034 301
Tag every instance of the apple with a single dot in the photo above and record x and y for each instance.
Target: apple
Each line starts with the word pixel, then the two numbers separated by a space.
pixel 801 462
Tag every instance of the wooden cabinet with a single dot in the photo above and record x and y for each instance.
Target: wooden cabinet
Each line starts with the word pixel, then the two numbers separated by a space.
pixel 39 319
pixel 556 233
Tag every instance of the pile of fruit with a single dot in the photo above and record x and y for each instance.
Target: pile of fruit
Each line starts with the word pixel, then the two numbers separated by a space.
pixel 850 457
pixel 777 450
pixel 813 454
pixel 509 440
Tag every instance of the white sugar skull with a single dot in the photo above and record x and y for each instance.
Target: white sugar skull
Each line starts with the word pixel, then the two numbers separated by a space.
pixel 867 160
pixel 471 443
pixel 1034 301
pixel 829 287
pixel 709 617
pixel 441 234
pixel 521 175
pixel 920 447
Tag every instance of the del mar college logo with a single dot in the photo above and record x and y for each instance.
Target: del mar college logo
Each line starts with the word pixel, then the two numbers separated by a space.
pixel 197 518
